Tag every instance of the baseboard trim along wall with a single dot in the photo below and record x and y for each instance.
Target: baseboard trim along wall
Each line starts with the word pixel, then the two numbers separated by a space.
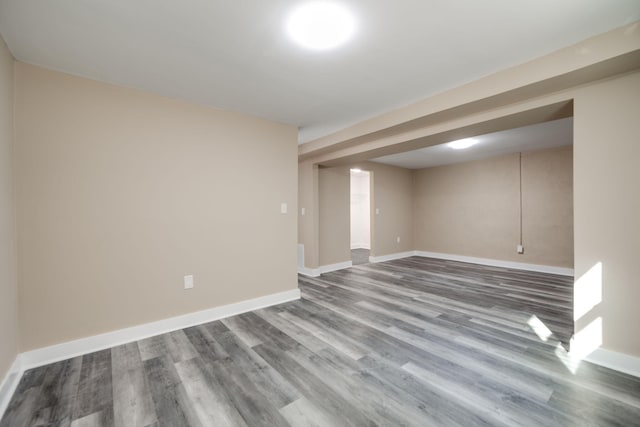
pixel 391 257
pixel 315 272
pixel 562 271
pixel 334 267
pixel 311 272
pixel 360 246
pixel 9 384
pixel 55 353
pixel 616 361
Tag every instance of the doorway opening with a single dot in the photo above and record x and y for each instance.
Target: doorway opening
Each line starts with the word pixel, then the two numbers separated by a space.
pixel 360 216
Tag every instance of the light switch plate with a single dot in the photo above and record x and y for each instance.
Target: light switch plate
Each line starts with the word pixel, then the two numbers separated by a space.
pixel 188 281
pixel 283 208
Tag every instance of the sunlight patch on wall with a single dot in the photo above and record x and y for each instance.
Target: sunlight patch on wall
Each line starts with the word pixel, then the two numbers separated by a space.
pixel 587 291
pixel 587 339
pixel 587 296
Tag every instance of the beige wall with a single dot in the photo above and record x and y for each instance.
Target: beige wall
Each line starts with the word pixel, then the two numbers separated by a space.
pixel 121 193
pixel 308 224
pixel 391 193
pixel 334 199
pixel 473 208
pixel 607 205
pixel 8 281
pixel 547 207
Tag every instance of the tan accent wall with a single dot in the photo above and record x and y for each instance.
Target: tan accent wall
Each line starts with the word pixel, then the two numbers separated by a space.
pixel 122 193
pixel 607 205
pixel 473 208
pixel 8 280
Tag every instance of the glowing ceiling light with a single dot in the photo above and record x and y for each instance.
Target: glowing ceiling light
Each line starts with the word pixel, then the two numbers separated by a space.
pixel 463 143
pixel 320 25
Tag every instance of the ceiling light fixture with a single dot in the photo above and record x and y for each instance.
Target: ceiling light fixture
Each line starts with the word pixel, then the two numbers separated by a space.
pixel 320 25
pixel 463 143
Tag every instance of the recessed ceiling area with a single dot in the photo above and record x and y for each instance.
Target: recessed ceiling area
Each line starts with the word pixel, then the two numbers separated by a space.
pixel 239 56
pixel 539 136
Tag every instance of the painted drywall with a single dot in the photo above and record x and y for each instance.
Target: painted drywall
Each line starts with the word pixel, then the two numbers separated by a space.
pixel 392 197
pixel 473 208
pixel 469 208
pixel 607 210
pixel 392 214
pixel 308 217
pixel 122 193
pixel 334 202
pixel 547 207
pixel 8 281
pixel 360 210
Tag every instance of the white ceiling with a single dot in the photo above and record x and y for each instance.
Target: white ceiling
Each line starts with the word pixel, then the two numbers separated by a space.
pixel 235 54
pixel 556 133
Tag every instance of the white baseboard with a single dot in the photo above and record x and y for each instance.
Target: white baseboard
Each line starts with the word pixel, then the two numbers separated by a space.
pixel 360 246
pixel 9 384
pixel 498 263
pixel 315 272
pixel 334 267
pixel 311 272
pixel 391 257
pixel 55 353
pixel 473 260
pixel 616 361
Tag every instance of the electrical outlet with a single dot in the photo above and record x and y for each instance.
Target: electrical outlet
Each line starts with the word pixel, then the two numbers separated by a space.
pixel 398 239
pixel 302 211
pixel 188 281
pixel 520 249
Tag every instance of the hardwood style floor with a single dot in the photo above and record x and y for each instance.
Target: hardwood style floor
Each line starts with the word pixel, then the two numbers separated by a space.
pixel 360 256
pixel 417 342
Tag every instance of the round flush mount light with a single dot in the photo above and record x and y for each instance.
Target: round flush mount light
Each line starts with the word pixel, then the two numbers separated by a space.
pixel 320 25
pixel 463 143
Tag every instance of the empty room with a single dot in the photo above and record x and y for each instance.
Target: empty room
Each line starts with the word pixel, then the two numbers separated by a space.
pixel 319 213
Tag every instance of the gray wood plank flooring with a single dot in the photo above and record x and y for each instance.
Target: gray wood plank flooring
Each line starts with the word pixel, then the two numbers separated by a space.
pixel 360 256
pixel 415 342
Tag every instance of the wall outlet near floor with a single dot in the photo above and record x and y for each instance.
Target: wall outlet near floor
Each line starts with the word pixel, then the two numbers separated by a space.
pixel 398 239
pixel 188 281
pixel 520 249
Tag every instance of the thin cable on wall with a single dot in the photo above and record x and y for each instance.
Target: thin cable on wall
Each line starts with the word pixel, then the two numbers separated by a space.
pixel 520 161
